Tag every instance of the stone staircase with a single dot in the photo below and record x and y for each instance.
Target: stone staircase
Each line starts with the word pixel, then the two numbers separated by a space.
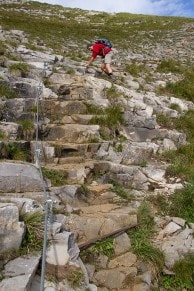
pixel 68 142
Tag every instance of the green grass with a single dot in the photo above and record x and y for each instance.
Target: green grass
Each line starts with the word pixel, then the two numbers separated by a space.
pixel 170 65
pixel 141 239
pixel 185 123
pixel 164 120
pixel 112 93
pixel 75 278
pixel 2 135
pixel 28 128
pixel 110 117
pixel 182 203
pixel 181 160
pixel 33 238
pixel 183 278
pixel 160 203
pixel 104 247
pixel 109 120
pixel 22 68
pixel 92 109
pixel 136 69
pixel 179 204
pixel 14 151
pixel 7 91
pixel 57 177
pixel 121 191
pixel 27 124
pixel 184 88
pixel 176 107
pixel 124 29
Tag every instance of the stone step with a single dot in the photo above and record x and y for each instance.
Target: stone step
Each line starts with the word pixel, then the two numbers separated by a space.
pixel 71 133
pixel 55 151
pixel 73 119
pixel 18 274
pixel 98 220
pixel 70 160
pixel 59 108
pixel 76 172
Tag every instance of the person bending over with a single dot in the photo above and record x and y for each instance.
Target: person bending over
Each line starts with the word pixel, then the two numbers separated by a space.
pixel 106 53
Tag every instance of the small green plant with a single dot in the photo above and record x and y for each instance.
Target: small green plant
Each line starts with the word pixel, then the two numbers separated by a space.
pixel 20 67
pixel 183 88
pixel 51 278
pixel 112 117
pixel 135 69
pixel 33 238
pixel 141 239
pixel 164 120
pixel 170 65
pixel 57 177
pixel 121 191
pixel 118 147
pixel 2 48
pixel 112 93
pixel 2 277
pixel 160 203
pixel 175 106
pixel 92 109
pixel 105 135
pixel 185 123
pixel 2 135
pixel 183 278
pixel 75 278
pixel 28 128
pixel 27 124
pixel 182 203
pixel 104 247
pixel 84 190
pixel 33 109
pixel 46 82
pixel 12 254
pixel 70 72
pixel 14 151
pixel 143 164
pixel 93 140
pixel 181 162
pixel 32 46
pixel 7 91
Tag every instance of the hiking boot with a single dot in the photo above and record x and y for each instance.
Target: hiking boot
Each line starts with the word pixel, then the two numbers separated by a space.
pixel 98 74
pixel 112 77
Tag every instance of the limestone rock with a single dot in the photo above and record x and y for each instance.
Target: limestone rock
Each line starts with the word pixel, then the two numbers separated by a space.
pixel 19 273
pixel 19 178
pixel 11 230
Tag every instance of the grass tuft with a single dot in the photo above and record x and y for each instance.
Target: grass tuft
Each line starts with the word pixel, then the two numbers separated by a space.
pixel 57 177
pixel 141 239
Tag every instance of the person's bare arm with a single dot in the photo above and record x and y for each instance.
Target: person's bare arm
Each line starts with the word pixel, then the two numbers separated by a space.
pixel 89 61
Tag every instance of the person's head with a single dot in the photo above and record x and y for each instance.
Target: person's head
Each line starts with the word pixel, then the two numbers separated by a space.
pixel 89 46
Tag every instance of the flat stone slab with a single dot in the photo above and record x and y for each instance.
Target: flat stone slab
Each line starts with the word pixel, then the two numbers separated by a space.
pixel 19 274
pixel 19 178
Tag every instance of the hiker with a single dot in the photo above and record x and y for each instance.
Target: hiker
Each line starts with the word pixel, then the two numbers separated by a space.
pixel 100 49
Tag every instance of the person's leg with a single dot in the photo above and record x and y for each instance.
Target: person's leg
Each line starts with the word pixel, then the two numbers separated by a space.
pixel 103 66
pixel 108 68
pixel 107 63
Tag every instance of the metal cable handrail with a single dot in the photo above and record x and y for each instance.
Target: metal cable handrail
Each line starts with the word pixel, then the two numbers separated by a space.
pixel 48 200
